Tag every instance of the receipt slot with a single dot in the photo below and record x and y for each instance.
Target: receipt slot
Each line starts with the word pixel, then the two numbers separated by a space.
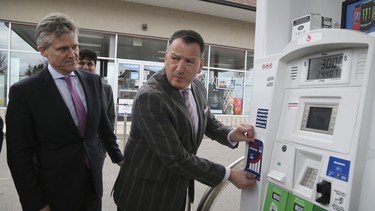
pixel 318 146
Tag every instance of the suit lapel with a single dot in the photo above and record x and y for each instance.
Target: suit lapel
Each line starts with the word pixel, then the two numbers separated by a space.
pixel 88 95
pixel 55 99
pixel 200 106
pixel 176 96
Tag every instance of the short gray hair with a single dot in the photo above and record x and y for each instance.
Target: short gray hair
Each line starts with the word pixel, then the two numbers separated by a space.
pixel 54 23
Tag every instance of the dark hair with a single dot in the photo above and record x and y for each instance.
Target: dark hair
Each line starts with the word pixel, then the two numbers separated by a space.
pixel 188 36
pixel 54 23
pixel 86 53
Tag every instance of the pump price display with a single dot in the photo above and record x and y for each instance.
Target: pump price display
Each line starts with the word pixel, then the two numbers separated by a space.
pixel 325 67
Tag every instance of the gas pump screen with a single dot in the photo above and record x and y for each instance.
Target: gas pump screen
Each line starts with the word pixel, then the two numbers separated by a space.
pixel 319 118
pixel 325 67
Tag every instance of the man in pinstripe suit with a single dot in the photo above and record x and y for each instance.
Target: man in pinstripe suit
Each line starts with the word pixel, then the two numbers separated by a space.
pixel 160 156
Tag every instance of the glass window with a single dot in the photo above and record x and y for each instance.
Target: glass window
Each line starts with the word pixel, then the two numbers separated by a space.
pixel 128 76
pixel 203 76
pixel 23 38
pixel 250 60
pixel 3 77
pixel 225 92
pixel 128 84
pixel 4 35
pixel 141 48
pixel 106 69
pixel 149 70
pixel 227 58
pixel 101 43
pixel 206 50
pixel 23 65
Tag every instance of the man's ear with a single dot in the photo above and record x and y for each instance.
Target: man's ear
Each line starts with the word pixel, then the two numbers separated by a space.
pixel 42 51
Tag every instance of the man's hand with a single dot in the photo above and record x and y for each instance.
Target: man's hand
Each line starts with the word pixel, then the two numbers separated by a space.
pixel 244 132
pixel 46 208
pixel 241 179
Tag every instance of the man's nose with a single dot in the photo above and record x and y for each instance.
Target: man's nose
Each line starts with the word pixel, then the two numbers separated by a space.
pixel 181 66
pixel 72 52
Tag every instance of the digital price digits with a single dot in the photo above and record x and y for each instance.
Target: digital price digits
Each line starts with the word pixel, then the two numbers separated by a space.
pixel 325 67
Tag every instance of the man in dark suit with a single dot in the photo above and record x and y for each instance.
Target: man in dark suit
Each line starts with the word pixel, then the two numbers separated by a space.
pixel 53 121
pixel 87 61
pixel 160 162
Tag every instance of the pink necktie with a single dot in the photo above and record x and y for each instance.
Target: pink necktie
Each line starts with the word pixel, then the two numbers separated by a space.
pixel 78 105
pixel 186 95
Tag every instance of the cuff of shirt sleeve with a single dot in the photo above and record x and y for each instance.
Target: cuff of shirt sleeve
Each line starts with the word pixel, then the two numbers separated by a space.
pixel 231 142
pixel 227 174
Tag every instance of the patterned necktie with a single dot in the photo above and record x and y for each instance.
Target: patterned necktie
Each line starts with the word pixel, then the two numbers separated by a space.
pixel 78 106
pixel 188 97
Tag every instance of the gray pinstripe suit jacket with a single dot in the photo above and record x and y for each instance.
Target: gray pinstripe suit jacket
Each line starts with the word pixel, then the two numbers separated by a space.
pixel 160 158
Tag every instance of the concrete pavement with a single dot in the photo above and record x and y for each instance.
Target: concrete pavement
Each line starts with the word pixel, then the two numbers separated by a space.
pixel 228 201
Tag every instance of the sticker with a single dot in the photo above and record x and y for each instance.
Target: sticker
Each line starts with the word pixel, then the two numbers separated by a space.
pixel 338 168
pixel 339 200
pixel 254 158
pixel 292 105
pixel 262 116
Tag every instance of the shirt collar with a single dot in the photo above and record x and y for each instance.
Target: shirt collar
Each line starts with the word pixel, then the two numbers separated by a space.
pixel 188 87
pixel 55 74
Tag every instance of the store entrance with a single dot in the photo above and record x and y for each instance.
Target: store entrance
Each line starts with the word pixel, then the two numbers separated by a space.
pixel 132 74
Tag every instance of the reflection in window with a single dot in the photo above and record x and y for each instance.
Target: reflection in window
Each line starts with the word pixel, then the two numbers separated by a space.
pixel 102 44
pixel 225 92
pixel 23 38
pixel 22 65
pixel 141 48
pixel 3 77
pixel 203 76
pixel 227 58
pixel 206 50
pixel 149 70
pixel 128 77
pixel 106 70
pixel 4 35
pixel 249 60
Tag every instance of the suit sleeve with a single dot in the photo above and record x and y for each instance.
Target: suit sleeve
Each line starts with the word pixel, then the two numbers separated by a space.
pixel 110 104
pixel 106 132
pixel 21 143
pixel 217 130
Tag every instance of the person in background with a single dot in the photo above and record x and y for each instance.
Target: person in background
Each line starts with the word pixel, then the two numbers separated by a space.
pixel 87 61
pixel 53 121
pixel 170 117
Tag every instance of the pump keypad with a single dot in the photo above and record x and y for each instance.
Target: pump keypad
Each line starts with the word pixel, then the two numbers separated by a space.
pixel 309 177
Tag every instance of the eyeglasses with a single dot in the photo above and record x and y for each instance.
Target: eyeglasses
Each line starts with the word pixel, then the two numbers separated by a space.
pixel 83 63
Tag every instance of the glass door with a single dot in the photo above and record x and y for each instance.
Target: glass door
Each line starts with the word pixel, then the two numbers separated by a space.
pixel 151 68
pixel 132 75
pixel 128 85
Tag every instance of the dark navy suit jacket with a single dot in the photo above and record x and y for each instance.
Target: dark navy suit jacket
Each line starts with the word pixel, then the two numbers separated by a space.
pixel 46 153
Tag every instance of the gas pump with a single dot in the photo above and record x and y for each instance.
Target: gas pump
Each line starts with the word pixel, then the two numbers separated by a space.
pixel 313 115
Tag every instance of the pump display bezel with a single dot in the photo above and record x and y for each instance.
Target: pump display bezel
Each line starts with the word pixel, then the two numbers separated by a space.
pixel 307 124
pixel 344 76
